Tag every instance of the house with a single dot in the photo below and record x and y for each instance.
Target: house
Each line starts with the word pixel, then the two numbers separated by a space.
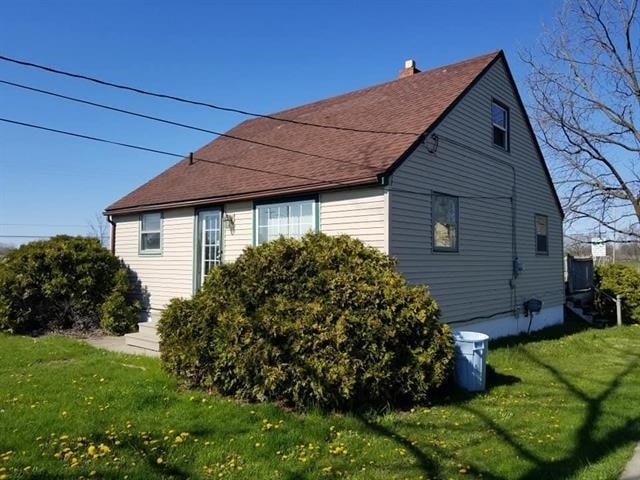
pixel 439 169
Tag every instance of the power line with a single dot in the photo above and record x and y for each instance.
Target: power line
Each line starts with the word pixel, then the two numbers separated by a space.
pixel 198 102
pixel 178 124
pixel 342 181
pixel 177 155
pixel 25 236
pixel 40 225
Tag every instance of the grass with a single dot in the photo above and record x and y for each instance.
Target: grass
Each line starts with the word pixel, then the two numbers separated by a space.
pixel 563 406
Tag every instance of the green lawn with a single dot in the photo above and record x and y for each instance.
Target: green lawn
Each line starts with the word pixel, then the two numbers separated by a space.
pixel 566 407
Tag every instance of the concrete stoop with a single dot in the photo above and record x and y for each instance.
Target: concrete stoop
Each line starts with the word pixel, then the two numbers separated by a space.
pixel 145 338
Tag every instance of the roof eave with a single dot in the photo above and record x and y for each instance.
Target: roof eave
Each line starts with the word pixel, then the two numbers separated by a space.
pixel 244 196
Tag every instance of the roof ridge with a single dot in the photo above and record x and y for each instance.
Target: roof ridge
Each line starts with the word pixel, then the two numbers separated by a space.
pixel 491 54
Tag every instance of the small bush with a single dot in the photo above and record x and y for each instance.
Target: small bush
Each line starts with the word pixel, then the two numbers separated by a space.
pixel 322 321
pixel 55 284
pixel 119 314
pixel 617 279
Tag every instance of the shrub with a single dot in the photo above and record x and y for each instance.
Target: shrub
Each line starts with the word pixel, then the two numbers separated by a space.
pixel 617 279
pixel 55 284
pixel 119 314
pixel 322 321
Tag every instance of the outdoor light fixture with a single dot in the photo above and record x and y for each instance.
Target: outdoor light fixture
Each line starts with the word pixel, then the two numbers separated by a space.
pixel 229 220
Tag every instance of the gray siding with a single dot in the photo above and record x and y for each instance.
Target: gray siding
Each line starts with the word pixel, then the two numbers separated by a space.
pixel 475 281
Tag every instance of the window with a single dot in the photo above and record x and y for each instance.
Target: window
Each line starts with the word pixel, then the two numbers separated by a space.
pixel 150 232
pixel 542 234
pixel 500 122
pixel 444 217
pixel 290 219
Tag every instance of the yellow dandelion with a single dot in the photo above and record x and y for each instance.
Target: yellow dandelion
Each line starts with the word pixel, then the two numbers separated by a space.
pixel 159 460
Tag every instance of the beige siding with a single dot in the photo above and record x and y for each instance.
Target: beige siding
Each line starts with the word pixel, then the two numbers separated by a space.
pixel 239 237
pixel 476 280
pixel 169 274
pixel 360 213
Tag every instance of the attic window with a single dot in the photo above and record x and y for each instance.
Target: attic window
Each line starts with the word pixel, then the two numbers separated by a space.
pixel 500 123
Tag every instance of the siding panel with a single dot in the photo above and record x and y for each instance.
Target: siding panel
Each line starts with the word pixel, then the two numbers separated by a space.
pixel 163 276
pixel 241 236
pixel 360 213
pixel 476 281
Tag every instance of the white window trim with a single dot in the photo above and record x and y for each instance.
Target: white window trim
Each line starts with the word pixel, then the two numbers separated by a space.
pixel 258 206
pixel 154 251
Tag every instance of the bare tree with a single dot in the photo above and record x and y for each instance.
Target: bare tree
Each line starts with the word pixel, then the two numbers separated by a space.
pixel 5 248
pixel 578 245
pixel 99 228
pixel 585 88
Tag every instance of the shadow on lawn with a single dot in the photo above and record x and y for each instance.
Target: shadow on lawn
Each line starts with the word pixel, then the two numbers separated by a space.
pixel 588 446
pixel 569 327
pixel 427 465
pixel 587 449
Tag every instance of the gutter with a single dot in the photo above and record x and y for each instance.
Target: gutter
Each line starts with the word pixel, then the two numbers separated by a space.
pixel 256 195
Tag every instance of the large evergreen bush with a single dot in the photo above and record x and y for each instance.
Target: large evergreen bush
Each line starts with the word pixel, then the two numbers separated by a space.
pixel 322 321
pixel 58 283
pixel 617 279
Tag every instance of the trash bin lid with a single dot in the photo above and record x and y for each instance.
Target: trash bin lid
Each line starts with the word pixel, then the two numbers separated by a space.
pixel 466 336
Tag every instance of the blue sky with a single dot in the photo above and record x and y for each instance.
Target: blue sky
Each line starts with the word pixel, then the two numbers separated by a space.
pixel 260 56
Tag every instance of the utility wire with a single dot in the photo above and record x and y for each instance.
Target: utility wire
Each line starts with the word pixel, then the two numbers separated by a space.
pixel 70 225
pixel 198 102
pixel 178 124
pixel 177 155
pixel 25 236
pixel 343 181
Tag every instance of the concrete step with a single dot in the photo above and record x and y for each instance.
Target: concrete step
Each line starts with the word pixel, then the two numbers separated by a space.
pixel 143 340
pixel 150 328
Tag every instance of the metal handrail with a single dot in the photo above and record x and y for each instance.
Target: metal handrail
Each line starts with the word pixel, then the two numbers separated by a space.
pixel 617 300
pixel 611 297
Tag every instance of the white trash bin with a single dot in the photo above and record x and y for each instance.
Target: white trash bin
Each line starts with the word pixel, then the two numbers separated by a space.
pixel 471 360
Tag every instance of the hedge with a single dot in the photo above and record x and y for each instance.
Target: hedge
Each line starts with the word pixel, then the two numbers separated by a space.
pixel 318 322
pixel 618 279
pixel 63 283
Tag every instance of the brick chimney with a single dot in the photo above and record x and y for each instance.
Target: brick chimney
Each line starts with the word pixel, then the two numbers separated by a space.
pixel 409 69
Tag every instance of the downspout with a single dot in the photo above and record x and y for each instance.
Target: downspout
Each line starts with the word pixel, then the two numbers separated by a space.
pixel 113 234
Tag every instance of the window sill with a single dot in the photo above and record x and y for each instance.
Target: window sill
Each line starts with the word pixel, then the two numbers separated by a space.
pixel 152 253
pixel 500 149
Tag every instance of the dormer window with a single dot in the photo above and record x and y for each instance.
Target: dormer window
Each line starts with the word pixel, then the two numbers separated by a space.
pixel 500 123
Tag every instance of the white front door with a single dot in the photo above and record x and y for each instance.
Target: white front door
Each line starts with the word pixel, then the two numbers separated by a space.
pixel 209 242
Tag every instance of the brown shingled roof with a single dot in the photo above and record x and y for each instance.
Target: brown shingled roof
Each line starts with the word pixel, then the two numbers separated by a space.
pixel 412 104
